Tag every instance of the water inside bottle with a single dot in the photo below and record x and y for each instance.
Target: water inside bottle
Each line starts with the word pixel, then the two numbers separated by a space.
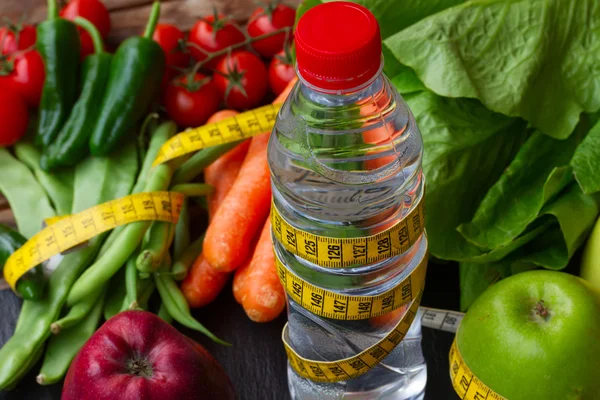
pixel 349 165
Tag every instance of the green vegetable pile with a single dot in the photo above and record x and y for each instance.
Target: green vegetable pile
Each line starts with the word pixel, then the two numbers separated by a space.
pixel 506 94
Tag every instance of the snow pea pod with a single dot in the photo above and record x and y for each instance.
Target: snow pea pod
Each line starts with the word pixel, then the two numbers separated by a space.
pixel 27 199
pixel 63 348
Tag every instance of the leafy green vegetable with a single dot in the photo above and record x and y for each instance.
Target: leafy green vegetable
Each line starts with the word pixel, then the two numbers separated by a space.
pixel 529 58
pixel 537 173
pixel 573 215
pixel 586 161
pixel 467 147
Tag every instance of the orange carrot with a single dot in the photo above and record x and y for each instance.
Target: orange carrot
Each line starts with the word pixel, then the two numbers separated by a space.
pixel 260 291
pixel 239 280
pixel 244 208
pixel 203 283
pixel 221 115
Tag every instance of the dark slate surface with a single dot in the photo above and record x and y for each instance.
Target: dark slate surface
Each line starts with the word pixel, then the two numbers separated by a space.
pixel 256 362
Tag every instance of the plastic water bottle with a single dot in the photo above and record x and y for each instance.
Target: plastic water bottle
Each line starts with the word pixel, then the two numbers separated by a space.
pixel 345 159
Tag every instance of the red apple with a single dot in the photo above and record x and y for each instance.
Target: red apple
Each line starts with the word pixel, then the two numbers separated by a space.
pixel 136 355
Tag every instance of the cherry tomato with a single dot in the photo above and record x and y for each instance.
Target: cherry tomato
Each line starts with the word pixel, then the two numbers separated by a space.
pixel 267 20
pixel 213 33
pixel 242 79
pixel 190 102
pixel 14 117
pixel 281 72
pixel 24 74
pixel 94 11
pixel 168 37
pixel 8 42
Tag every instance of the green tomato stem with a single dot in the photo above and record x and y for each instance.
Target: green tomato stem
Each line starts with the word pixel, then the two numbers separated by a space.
pixel 52 9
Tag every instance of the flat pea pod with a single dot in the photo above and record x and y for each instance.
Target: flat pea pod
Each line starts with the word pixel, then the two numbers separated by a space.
pixel 71 144
pixel 31 285
pixel 135 76
pixel 182 231
pixel 124 245
pixel 27 199
pixel 33 326
pixel 186 259
pixel 177 306
pixel 63 348
pixel 76 313
pixel 58 44
pixel 199 161
pixel 60 193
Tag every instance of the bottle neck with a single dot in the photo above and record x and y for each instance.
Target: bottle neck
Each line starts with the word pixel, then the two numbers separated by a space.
pixel 345 96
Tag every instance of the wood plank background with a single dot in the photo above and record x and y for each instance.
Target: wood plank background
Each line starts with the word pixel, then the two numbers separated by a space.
pixel 128 17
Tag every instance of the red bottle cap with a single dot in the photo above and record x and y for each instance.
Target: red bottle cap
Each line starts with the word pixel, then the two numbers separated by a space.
pixel 338 46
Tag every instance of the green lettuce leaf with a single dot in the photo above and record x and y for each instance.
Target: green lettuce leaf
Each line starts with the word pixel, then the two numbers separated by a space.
pixel 573 214
pixel 529 58
pixel 467 147
pixel 538 172
pixel 586 161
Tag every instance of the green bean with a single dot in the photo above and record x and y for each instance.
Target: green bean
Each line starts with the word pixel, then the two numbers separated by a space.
pixel 28 201
pixel 182 231
pixel 160 135
pixel 193 189
pixel 163 313
pixel 154 251
pixel 63 348
pixel 59 192
pixel 33 326
pixel 123 247
pixel 196 163
pixel 147 287
pixel 177 306
pixel 77 313
pixel 114 300
pixel 131 278
pixel 185 261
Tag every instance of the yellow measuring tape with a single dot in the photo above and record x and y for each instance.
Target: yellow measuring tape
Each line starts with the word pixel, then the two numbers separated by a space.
pixel 348 368
pixel 242 126
pixel 332 252
pixel 68 232
pixel 465 383
pixel 333 305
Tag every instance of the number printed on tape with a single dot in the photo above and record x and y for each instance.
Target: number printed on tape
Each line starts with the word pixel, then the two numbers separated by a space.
pixel 66 232
pixel 241 126
pixel 325 303
pixel 465 383
pixel 352 367
pixel 329 252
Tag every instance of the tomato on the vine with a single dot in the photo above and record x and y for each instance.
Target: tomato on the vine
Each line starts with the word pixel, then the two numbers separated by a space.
pixel 266 20
pixel 191 99
pixel 94 11
pixel 170 39
pixel 24 74
pixel 281 72
pixel 9 35
pixel 211 34
pixel 14 117
pixel 242 79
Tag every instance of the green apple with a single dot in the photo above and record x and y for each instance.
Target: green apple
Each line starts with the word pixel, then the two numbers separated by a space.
pixel 590 261
pixel 535 336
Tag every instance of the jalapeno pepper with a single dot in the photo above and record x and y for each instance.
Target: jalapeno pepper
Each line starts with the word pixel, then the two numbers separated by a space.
pixel 31 285
pixel 58 43
pixel 71 145
pixel 134 80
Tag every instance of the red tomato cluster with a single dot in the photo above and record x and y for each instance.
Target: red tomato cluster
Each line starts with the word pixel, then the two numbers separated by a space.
pixel 220 65
pixel 22 68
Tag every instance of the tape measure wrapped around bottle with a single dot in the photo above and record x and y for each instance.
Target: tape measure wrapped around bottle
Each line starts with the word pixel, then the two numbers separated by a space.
pixel 329 252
